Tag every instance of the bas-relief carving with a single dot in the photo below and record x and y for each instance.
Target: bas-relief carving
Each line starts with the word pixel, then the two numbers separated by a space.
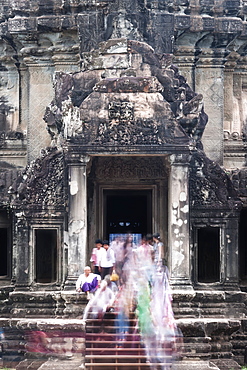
pixel 130 169
pixel 239 181
pixel 8 175
pixel 9 84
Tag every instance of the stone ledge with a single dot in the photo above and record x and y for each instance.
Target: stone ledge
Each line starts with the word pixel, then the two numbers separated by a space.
pixel 194 365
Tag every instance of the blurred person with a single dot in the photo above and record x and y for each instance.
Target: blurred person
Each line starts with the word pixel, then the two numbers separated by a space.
pixel 158 250
pixel 117 246
pixel 102 301
pixel 145 322
pixel 128 254
pixel 144 257
pixel 107 261
pixel 88 282
pixel 37 341
pixel 96 256
pixel 123 305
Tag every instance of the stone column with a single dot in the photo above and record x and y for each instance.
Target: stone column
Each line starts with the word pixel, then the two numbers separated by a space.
pixel 185 60
pixel 228 102
pixel 178 214
pixel 231 253
pixel 21 261
pixel 77 223
pixel 209 81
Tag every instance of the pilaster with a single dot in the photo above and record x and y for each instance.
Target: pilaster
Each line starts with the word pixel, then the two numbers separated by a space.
pixel 77 225
pixel 21 259
pixel 178 229
pixel 209 81
pixel 185 60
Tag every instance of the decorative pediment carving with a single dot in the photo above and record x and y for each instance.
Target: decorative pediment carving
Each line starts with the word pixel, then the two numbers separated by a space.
pixel 140 100
pixel 41 184
pixel 239 181
pixel 210 185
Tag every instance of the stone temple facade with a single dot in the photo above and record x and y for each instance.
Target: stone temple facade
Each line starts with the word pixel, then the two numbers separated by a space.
pixel 120 115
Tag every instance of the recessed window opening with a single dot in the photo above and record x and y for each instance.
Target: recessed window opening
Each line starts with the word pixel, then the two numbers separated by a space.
pixel 46 255
pixel 208 254
pixel 243 246
pixel 4 252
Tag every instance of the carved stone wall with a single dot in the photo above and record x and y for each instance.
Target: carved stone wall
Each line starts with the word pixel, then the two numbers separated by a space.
pixel 204 37
pixel 130 169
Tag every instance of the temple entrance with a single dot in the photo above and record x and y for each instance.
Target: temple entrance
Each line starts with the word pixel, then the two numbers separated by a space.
pixel 5 246
pixel 127 211
pixel 242 247
pixel 4 250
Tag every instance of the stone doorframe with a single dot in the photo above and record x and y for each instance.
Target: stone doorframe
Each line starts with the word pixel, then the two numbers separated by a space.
pixel 46 225
pixel 178 215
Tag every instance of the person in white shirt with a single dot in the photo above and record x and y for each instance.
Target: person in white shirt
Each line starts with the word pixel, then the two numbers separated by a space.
pixel 96 256
pixel 88 282
pixel 107 262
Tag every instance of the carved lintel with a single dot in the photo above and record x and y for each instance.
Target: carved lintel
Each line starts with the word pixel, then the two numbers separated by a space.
pixel 131 168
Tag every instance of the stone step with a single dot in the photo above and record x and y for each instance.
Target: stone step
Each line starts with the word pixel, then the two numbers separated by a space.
pixel 121 357
pixel 128 365
pixel 58 364
pixel 30 364
pixel 203 338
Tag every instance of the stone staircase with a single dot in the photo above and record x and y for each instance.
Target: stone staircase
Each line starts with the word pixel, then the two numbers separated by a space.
pixel 213 332
pixel 108 348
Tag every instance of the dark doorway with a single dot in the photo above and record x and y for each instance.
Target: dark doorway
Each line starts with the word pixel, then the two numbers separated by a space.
pixel 128 211
pixel 46 255
pixel 5 245
pixel 208 254
pixel 243 246
pixel 4 251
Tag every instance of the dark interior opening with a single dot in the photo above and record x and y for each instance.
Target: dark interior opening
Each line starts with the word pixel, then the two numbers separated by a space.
pixel 46 255
pixel 4 249
pixel 128 211
pixel 208 254
pixel 243 246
